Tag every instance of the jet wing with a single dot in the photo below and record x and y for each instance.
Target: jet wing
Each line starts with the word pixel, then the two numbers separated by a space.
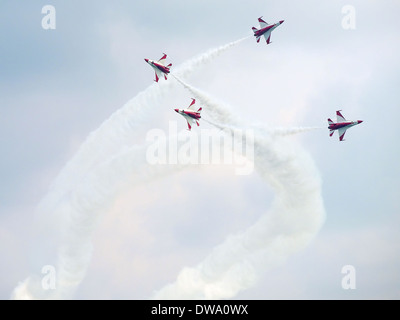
pixel 190 121
pixel 263 24
pixel 267 36
pixel 341 131
pixel 339 116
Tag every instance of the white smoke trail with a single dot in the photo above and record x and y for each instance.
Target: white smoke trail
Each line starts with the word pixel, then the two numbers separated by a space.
pixel 200 60
pixel 278 131
pixel 85 206
pixel 222 114
pixel 119 130
pixel 91 181
pixel 87 185
pixel 293 221
pixel 216 109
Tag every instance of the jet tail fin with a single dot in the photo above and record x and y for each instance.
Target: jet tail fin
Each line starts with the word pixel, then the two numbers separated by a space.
pixel 330 121
pixel 340 117
pixel 254 29
pixel 331 133
pixel 162 58
pixel 263 24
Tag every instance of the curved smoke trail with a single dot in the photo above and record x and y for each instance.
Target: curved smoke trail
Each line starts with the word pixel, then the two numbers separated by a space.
pixel 216 109
pixel 86 205
pixel 194 63
pixel 293 221
pixel 119 130
pixel 89 183
pixel 222 114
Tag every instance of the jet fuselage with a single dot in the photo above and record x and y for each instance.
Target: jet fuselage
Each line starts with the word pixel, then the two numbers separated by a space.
pixel 347 124
pixel 260 32
pixel 192 114
pixel 159 66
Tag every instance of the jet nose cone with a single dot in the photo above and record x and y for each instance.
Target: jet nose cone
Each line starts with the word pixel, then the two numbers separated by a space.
pixel 282 21
pixel 147 60
pixel 176 110
pixel 360 121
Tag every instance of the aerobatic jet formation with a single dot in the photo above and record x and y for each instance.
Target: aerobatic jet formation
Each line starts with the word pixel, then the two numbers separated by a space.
pixel 190 114
pixel 265 30
pixel 341 125
pixel 159 67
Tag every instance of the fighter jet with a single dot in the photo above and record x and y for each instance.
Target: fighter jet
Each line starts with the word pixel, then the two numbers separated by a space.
pixel 190 114
pixel 159 67
pixel 342 125
pixel 265 30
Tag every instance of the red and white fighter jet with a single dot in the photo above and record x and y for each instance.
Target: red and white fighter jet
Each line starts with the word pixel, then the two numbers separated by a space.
pixel 159 67
pixel 190 114
pixel 265 30
pixel 342 125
